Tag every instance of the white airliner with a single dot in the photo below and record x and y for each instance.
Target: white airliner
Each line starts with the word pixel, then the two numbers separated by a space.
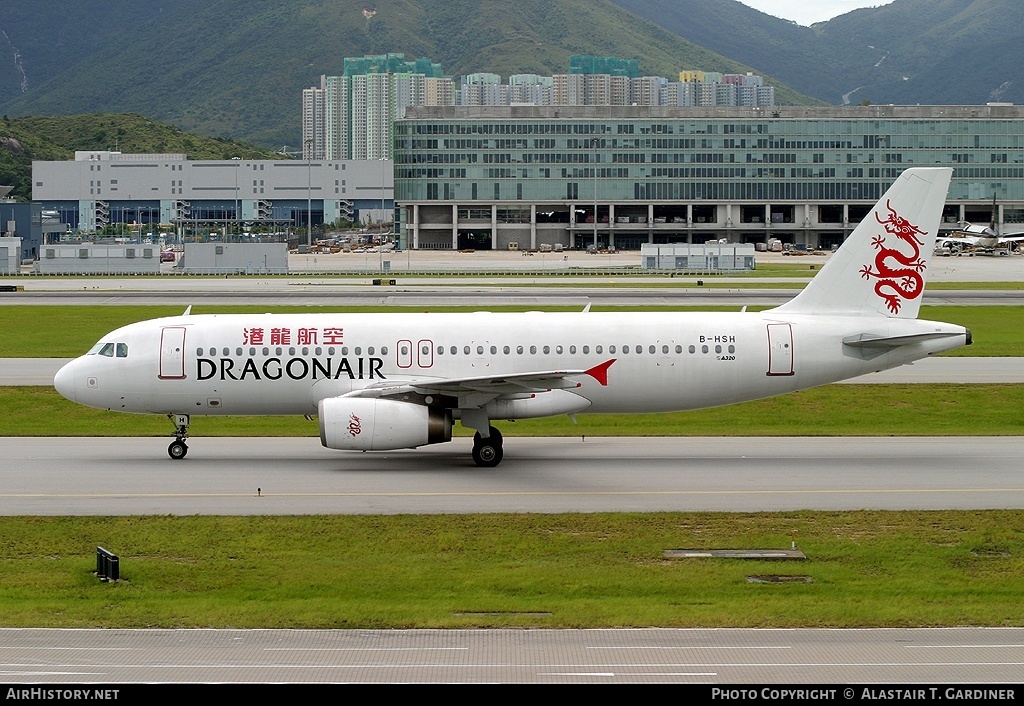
pixel 984 240
pixel 392 381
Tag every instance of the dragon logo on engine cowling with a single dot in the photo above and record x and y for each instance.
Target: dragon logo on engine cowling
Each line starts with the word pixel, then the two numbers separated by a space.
pixel 354 425
pixel 898 273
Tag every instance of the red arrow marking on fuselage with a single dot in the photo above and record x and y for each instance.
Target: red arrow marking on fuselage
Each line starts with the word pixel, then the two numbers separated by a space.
pixel 600 372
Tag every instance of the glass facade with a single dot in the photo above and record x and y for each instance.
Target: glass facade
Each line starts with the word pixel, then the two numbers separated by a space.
pixel 628 157
pixel 831 159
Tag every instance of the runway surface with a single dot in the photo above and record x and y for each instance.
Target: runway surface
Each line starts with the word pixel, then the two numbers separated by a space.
pixel 922 658
pixel 296 476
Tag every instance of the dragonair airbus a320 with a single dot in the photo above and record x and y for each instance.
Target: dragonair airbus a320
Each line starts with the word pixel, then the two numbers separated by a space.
pixel 392 381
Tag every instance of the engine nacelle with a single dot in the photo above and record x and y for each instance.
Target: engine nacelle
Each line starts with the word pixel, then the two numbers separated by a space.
pixel 366 424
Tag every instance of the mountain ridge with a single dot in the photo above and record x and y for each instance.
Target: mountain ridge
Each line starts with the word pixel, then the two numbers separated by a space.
pixel 245 79
pixel 237 67
pixel 905 52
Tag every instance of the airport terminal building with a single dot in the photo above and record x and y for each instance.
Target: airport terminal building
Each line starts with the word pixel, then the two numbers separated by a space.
pixel 526 176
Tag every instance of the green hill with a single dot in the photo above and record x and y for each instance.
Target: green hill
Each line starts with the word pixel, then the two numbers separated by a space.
pixel 956 52
pixel 237 67
pixel 23 140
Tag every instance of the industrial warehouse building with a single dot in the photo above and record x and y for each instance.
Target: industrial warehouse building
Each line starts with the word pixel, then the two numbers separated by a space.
pixel 623 176
pixel 100 189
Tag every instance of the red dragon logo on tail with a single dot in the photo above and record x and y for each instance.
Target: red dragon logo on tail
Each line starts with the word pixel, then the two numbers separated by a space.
pixel 898 273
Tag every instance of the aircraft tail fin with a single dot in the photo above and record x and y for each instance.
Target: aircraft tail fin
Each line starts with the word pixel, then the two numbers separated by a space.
pixel 882 267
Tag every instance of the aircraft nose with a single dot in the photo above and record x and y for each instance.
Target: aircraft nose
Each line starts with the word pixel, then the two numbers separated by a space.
pixel 64 381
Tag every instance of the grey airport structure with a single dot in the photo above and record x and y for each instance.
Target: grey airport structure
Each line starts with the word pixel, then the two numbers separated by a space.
pixel 102 188
pixel 507 177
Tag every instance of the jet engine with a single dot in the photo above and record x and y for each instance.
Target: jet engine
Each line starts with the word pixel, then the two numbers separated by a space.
pixel 374 424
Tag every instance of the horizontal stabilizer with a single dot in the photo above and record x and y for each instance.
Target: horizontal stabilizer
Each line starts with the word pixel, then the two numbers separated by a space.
pixel 868 346
pixel 868 340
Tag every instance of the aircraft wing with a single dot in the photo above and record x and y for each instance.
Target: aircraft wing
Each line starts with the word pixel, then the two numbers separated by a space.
pixel 960 238
pixel 487 385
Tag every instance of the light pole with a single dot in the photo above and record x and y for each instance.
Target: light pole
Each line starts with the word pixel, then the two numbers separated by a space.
pixel 380 247
pixel 383 177
pixel 594 141
pixel 883 142
pixel 238 207
pixel 309 192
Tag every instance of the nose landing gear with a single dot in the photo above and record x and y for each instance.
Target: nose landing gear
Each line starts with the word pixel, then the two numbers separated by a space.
pixel 178 447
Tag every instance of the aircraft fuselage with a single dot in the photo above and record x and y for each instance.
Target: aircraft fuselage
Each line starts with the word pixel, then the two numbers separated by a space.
pixel 285 364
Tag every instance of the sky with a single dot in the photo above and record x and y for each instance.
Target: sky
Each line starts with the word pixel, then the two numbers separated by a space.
pixel 807 12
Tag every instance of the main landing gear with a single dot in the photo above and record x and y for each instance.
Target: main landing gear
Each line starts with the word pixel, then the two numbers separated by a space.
pixel 487 450
pixel 486 441
pixel 178 447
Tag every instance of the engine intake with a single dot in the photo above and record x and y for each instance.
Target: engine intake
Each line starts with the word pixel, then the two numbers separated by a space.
pixel 365 424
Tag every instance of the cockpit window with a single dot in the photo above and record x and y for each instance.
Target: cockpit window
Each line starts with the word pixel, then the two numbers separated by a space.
pixel 109 350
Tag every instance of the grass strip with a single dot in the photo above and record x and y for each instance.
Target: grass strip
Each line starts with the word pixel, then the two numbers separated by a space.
pixel 833 410
pixel 863 569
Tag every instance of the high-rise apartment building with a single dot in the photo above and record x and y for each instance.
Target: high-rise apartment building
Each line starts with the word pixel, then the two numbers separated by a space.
pixel 350 116
pixel 530 89
pixel 607 65
pixel 313 119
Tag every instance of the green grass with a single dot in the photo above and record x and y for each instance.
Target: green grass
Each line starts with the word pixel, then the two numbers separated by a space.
pixel 864 569
pixel 68 331
pixel 834 410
